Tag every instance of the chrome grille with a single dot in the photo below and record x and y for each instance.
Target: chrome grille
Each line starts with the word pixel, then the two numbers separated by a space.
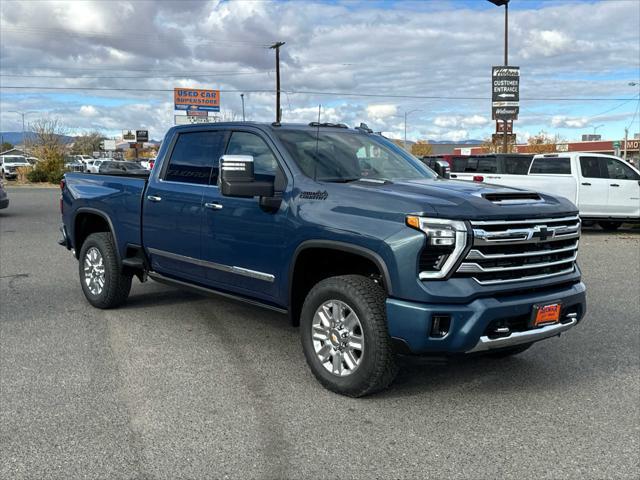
pixel 514 251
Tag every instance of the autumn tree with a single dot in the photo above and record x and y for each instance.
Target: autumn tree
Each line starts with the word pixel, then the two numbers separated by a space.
pixel 421 148
pixel 48 144
pixel 496 145
pixel 543 143
pixel 87 144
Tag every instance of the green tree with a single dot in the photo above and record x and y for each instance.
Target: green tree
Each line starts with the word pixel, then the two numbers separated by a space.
pixel 6 146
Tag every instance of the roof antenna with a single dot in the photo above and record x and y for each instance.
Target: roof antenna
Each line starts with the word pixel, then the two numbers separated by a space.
pixel 315 163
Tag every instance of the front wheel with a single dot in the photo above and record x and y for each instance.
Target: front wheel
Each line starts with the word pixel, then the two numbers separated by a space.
pixel 610 226
pixel 345 338
pixel 103 282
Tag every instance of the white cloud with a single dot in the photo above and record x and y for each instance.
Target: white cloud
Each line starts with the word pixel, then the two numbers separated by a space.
pixel 569 122
pixel 88 111
pixel 381 112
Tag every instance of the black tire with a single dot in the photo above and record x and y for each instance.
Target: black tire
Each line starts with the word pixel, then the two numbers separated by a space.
pixel 377 366
pixel 116 283
pixel 610 226
pixel 508 352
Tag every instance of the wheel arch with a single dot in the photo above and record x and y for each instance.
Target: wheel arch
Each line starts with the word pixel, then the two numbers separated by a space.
pixel 356 253
pixel 87 220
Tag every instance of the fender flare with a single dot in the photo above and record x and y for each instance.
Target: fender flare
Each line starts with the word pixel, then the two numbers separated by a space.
pixel 343 247
pixel 99 213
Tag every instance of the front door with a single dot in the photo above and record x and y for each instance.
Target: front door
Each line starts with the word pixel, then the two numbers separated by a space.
pixel 172 211
pixel 624 190
pixel 243 242
pixel 593 188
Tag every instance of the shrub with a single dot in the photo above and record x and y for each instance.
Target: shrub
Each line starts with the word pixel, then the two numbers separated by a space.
pixel 50 169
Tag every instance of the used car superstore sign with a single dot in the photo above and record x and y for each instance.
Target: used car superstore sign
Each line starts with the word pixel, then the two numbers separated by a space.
pixel 196 99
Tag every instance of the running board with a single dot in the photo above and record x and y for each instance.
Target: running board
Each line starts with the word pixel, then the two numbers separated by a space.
pixel 210 291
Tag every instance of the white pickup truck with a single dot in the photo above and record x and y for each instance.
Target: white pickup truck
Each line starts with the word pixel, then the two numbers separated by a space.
pixel 605 188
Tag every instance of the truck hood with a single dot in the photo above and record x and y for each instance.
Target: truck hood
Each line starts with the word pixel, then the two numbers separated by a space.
pixel 458 199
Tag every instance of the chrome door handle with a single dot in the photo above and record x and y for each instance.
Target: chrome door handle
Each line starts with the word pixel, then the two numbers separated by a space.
pixel 153 198
pixel 213 206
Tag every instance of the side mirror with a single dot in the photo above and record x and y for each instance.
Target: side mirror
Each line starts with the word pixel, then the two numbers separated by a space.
pixel 237 179
pixel 443 169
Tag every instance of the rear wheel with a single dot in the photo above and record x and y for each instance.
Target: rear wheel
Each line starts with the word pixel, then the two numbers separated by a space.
pixel 345 338
pixel 508 352
pixel 103 282
pixel 610 226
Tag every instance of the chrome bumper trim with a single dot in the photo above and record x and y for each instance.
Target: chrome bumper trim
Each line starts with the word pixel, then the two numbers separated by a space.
pixel 516 338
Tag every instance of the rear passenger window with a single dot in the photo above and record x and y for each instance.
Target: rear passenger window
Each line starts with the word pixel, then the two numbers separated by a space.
pixel 487 165
pixel 193 156
pixel 590 167
pixel 551 165
pixel 516 165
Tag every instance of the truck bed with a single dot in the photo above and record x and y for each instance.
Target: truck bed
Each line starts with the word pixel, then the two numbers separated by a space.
pixel 119 197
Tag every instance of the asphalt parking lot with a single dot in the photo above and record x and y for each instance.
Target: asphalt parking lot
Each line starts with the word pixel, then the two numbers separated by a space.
pixel 175 385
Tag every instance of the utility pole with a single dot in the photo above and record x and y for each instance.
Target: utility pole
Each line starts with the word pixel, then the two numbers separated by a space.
pixel 242 97
pixel 626 137
pixel 24 142
pixel 405 125
pixel 499 3
pixel 276 46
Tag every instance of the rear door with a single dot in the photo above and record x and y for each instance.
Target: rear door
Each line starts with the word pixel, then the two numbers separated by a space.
pixel 624 191
pixel 172 212
pixel 594 187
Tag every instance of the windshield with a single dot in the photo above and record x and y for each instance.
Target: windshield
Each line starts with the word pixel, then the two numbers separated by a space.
pixel 344 157
pixel 15 160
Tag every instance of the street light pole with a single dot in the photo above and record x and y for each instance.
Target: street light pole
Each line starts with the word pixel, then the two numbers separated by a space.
pixel 595 129
pixel 405 125
pixel 22 114
pixel 242 97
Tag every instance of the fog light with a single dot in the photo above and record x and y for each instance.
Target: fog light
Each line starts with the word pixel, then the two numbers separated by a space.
pixel 440 325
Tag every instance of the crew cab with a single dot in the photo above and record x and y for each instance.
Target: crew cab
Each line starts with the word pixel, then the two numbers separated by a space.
pixel 366 249
pixel 605 188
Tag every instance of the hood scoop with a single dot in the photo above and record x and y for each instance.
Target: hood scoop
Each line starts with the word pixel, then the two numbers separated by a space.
pixel 512 198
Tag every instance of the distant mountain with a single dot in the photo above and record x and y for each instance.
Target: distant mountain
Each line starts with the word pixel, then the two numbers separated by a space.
pixel 15 138
pixel 461 142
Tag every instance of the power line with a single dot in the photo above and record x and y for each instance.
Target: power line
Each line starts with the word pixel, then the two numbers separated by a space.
pixel 335 94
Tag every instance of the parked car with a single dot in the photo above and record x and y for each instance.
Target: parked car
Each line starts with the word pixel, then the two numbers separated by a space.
pixel 371 254
pixel 11 163
pixel 148 164
pixel 93 166
pixel 74 166
pixel 109 167
pixel 488 167
pixel 4 198
pixel 605 188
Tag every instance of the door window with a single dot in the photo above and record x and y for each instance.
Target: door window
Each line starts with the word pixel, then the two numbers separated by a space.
pixel 590 167
pixel 244 143
pixel 551 165
pixel 193 156
pixel 487 165
pixel 516 165
pixel 620 171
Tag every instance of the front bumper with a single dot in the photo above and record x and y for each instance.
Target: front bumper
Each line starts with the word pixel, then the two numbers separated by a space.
pixel 410 323
pixel 4 202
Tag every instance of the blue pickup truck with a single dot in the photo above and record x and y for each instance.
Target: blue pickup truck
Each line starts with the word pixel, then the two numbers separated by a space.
pixel 369 251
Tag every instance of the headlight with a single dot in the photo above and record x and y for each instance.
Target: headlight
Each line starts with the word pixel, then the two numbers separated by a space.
pixel 446 240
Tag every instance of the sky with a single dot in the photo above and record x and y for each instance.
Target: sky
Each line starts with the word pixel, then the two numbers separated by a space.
pixel 362 61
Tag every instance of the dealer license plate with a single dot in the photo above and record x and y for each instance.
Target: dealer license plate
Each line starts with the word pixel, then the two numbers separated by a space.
pixel 546 314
